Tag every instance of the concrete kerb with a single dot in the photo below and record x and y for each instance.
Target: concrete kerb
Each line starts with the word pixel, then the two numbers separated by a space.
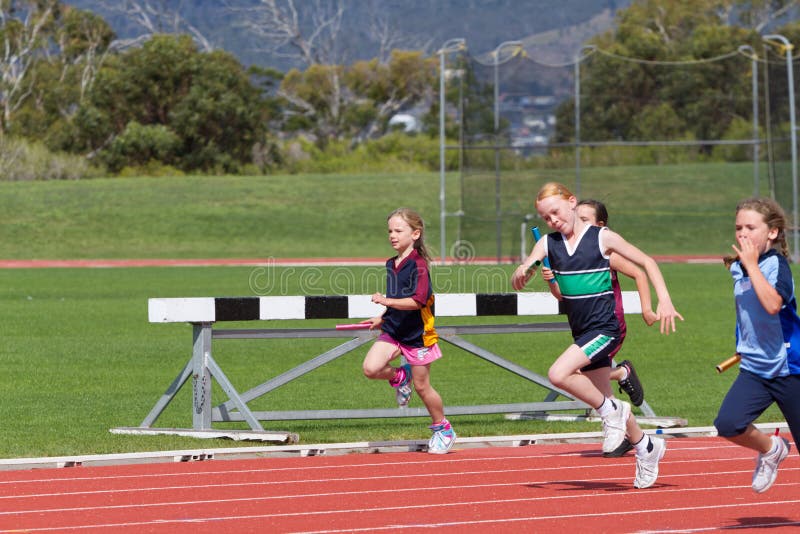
pixel 333 449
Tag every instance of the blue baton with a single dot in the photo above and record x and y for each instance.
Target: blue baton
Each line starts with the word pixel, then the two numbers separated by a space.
pixel 536 237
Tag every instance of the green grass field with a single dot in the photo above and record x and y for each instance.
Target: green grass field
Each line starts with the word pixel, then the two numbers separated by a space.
pixel 670 209
pixel 79 357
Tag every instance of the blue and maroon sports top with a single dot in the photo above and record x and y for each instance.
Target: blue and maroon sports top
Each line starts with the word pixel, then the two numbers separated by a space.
pixel 769 344
pixel 619 311
pixel 411 278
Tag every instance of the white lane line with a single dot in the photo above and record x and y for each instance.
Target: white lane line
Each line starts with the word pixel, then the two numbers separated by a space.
pixel 397 526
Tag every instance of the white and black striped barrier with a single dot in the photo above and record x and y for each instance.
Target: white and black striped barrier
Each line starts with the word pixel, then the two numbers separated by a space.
pixel 203 313
pixel 218 309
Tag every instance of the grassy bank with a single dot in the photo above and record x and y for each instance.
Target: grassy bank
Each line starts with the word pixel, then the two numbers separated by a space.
pixel 681 209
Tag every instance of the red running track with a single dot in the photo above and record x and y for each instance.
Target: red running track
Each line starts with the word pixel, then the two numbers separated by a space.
pixel 704 485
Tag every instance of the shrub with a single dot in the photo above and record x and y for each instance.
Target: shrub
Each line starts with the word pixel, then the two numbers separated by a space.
pixel 397 151
pixel 138 144
pixel 151 168
pixel 739 129
pixel 21 159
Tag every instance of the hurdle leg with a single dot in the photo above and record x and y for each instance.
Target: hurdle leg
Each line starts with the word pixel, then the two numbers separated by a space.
pixel 647 410
pixel 223 411
pixel 168 395
pixel 233 395
pixel 507 365
pixel 201 376
pixel 197 368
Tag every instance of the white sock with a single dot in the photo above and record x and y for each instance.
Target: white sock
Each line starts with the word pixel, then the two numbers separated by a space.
pixel 607 408
pixel 624 372
pixel 642 446
pixel 774 448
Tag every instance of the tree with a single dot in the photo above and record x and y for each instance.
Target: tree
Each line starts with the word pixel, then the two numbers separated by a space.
pixel 25 29
pixel 205 99
pixel 221 117
pixel 407 78
pixel 61 78
pixel 283 29
pixel 84 40
pixel 758 14
pixel 665 54
pixel 45 81
pixel 325 96
pixel 308 36
pixel 155 18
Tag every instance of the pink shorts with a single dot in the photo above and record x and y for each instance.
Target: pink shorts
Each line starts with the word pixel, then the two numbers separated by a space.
pixel 414 355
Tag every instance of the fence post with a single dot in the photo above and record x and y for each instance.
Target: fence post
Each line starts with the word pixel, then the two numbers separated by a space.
pixel 788 47
pixel 453 45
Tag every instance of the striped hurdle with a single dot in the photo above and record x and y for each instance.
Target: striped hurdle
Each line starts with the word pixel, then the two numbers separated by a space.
pixel 205 312
pixel 215 309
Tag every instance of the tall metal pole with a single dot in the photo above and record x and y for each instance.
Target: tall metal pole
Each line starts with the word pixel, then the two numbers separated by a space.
pixel 578 58
pixel 749 51
pixel 497 207
pixel 517 45
pixel 768 124
pixel 788 47
pixel 453 45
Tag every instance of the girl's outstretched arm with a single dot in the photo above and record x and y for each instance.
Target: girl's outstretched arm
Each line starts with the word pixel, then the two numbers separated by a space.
pixel 631 270
pixel 666 312
pixel 406 303
pixel 525 271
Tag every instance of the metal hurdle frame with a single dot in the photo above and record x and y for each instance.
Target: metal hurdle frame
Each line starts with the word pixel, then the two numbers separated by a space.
pixel 203 313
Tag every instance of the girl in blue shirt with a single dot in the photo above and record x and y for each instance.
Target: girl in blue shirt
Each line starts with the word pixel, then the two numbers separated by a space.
pixel 767 338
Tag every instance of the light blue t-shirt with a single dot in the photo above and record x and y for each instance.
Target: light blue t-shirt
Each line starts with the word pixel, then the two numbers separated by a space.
pixel 769 344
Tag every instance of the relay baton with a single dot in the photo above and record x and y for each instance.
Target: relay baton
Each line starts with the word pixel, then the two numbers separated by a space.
pixel 354 326
pixel 730 362
pixel 546 262
pixel 533 267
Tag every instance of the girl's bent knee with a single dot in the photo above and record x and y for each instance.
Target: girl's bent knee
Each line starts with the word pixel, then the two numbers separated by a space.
pixel 555 378
pixel 370 372
pixel 727 427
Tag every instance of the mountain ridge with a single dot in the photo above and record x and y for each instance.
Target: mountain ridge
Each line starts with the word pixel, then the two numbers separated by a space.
pixel 556 30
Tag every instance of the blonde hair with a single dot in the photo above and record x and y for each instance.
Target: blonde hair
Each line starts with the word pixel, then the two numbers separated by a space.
pixel 413 219
pixel 774 217
pixel 551 189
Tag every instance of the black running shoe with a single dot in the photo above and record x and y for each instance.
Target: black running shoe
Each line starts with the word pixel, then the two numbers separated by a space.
pixel 631 385
pixel 623 448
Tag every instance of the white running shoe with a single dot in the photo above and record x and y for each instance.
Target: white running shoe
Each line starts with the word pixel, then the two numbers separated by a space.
pixel 442 439
pixel 767 465
pixel 647 464
pixel 615 426
pixel 403 389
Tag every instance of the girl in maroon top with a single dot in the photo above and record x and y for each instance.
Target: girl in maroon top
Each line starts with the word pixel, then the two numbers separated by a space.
pixel 407 326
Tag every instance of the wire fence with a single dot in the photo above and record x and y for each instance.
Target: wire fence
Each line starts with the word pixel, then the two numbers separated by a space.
pixel 618 128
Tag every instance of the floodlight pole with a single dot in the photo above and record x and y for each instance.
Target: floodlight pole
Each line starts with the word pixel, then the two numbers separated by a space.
pixel 787 46
pixel 453 45
pixel 517 46
pixel 750 52
pixel 578 58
